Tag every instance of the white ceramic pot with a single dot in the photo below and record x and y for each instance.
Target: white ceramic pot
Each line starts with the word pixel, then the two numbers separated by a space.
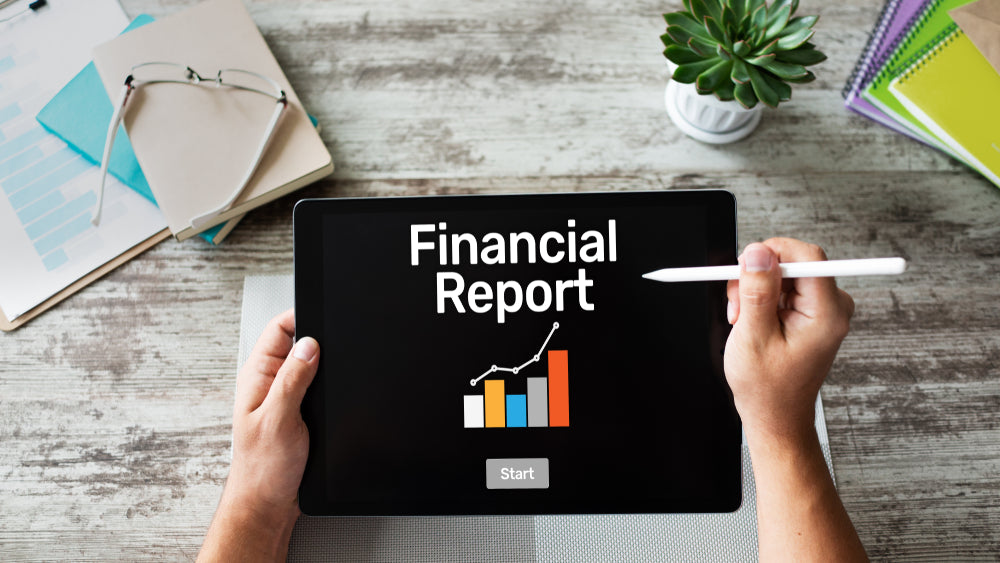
pixel 707 118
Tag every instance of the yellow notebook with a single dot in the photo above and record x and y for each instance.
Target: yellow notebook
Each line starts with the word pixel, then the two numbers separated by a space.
pixel 955 92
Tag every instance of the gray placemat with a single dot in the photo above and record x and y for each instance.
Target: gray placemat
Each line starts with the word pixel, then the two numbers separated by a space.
pixel 610 537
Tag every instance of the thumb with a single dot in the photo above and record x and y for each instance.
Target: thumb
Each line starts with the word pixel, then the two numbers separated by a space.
pixel 759 289
pixel 295 375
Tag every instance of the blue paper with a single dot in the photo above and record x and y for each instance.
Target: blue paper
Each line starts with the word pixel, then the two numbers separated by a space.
pixel 79 115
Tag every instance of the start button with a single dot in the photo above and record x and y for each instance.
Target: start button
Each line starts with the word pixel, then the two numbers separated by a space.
pixel 517 473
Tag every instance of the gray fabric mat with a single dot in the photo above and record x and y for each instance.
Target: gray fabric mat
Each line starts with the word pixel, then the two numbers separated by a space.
pixel 610 537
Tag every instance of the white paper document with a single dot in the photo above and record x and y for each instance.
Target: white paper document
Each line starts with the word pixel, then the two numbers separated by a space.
pixel 47 190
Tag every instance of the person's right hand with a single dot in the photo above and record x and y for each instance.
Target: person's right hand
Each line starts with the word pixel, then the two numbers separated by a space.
pixel 784 338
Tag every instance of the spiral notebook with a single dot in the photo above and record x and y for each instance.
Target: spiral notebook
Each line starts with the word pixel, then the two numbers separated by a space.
pixel 928 30
pixel 955 93
pixel 896 18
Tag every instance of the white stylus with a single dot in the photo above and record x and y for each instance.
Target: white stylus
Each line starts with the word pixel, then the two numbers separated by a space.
pixel 825 269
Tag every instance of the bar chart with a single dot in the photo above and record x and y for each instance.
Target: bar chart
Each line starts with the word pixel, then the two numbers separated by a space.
pixel 545 404
pixel 47 189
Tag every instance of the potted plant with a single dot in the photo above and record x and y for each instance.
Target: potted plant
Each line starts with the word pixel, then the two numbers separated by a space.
pixel 742 51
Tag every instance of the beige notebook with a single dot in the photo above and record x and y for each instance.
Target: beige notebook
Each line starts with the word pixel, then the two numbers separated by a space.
pixel 195 143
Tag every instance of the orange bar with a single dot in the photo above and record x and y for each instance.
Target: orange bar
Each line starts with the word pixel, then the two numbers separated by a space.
pixel 558 388
pixel 495 408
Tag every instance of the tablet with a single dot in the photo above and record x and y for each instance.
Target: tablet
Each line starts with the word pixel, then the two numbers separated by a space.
pixel 502 354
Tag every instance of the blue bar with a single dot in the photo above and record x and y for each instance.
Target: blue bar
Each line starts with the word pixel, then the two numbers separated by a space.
pixel 63 234
pixel 61 215
pixel 40 207
pixel 55 259
pixel 6 63
pixel 49 183
pixel 39 169
pixel 517 411
pixel 9 112
pixel 21 142
pixel 20 161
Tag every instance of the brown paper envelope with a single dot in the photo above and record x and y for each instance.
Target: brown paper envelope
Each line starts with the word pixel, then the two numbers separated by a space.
pixel 981 23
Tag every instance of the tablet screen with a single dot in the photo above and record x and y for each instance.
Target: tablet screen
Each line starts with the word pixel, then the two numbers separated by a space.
pixel 503 355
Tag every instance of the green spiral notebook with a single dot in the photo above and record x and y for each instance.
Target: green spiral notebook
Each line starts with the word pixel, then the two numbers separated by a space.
pixel 933 25
pixel 954 92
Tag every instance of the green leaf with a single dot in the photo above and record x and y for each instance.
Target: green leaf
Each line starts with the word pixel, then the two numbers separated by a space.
pixel 714 77
pixel 783 90
pixel 687 5
pixel 678 34
pixel 738 8
pixel 723 53
pixel 795 5
pixel 761 60
pixel 729 20
pixel 801 56
pixel 744 95
pixel 809 77
pixel 740 74
pixel 702 47
pixel 743 29
pixel 758 18
pixel 681 55
pixel 766 49
pixel 725 92
pixel 789 42
pixel 667 40
pixel 715 8
pixel 785 70
pixel 716 31
pixel 741 49
pixel 686 22
pixel 688 73
pixel 762 89
pixel 795 24
pixel 699 10
pixel 752 5
pixel 776 22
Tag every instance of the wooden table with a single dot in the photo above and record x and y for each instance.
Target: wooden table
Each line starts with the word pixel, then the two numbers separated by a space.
pixel 115 406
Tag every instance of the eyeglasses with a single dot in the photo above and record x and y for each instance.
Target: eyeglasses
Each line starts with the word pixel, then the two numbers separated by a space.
pixel 159 72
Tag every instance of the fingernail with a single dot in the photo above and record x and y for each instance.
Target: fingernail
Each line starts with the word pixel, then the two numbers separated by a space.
pixel 305 349
pixel 756 259
pixel 730 311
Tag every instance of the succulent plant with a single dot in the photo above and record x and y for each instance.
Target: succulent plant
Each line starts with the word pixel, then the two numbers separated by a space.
pixel 741 49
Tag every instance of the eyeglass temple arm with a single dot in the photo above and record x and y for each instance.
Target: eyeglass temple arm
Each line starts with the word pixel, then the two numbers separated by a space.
pixel 109 142
pixel 201 221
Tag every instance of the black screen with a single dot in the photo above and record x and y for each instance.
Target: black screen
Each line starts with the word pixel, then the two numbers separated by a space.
pixel 618 402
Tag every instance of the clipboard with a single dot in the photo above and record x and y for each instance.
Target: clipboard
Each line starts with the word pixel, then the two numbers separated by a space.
pixel 7 325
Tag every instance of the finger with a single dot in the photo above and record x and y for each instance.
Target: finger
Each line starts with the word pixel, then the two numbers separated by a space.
pixel 295 376
pixel 267 356
pixel 759 289
pixel 820 294
pixel 733 306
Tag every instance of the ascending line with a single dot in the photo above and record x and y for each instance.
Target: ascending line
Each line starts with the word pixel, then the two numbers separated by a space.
pixel 535 358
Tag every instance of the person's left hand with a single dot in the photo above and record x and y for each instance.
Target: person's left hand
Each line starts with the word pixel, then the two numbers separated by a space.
pixel 270 441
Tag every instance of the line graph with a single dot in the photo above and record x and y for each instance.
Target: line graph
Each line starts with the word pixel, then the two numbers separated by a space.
pixel 537 357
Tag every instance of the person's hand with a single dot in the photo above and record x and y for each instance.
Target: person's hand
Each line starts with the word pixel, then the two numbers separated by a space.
pixel 784 338
pixel 259 503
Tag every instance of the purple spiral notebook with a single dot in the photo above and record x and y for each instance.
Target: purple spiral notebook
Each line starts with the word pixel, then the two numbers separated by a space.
pixel 895 20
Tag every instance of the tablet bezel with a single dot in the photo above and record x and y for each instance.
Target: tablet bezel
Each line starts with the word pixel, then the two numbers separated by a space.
pixel 308 216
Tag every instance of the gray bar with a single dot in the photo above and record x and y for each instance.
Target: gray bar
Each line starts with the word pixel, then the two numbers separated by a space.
pixel 517 473
pixel 538 401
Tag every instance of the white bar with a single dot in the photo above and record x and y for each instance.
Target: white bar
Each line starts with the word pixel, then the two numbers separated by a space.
pixel 475 413
pixel 824 269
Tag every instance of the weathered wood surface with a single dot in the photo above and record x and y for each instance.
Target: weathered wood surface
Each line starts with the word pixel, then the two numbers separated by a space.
pixel 115 406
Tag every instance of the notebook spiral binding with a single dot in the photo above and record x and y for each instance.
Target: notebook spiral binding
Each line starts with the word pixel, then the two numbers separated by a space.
pixel 861 69
pixel 950 35
pixel 888 70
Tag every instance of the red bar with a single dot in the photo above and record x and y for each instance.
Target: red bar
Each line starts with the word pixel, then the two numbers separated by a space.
pixel 558 388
